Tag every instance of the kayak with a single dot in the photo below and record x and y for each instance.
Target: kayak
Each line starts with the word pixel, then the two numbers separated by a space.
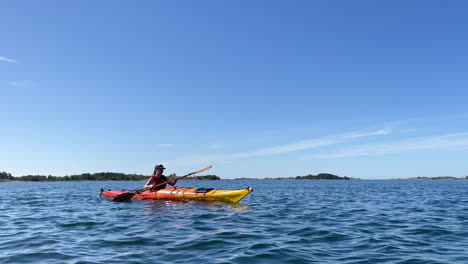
pixel 181 194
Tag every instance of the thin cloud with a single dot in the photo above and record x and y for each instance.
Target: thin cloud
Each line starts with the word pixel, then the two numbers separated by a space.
pixel 6 59
pixel 366 134
pixel 432 143
pixel 281 149
pixel 21 83
pixel 315 143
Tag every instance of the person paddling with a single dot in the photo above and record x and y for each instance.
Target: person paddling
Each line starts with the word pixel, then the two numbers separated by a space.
pixel 158 178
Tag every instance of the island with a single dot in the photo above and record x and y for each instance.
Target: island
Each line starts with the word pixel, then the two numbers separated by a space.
pixel 201 178
pixel 320 176
pixel 437 178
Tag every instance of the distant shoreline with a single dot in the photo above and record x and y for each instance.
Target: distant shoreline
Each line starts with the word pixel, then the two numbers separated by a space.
pixel 253 179
pixel 16 181
pixel 248 179
pixel 100 176
pixel 118 177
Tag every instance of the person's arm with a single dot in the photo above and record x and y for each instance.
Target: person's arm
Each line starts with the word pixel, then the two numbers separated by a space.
pixel 172 183
pixel 148 184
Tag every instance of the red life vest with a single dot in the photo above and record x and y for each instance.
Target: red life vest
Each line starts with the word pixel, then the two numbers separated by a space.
pixel 156 180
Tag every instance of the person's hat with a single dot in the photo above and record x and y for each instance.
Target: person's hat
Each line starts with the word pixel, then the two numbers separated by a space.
pixel 159 166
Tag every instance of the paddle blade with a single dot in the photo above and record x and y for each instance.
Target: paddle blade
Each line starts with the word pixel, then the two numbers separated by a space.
pixel 202 170
pixel 124 197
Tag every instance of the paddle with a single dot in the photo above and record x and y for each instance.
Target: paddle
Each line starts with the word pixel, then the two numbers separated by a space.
pixel 125 197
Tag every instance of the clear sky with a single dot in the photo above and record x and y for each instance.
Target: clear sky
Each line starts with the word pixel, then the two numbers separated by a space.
pixel 368 89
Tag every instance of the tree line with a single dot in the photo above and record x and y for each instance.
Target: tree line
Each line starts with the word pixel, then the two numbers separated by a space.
pixel 204 177
pixel 100 176
pixel 321 176
pixel 6 176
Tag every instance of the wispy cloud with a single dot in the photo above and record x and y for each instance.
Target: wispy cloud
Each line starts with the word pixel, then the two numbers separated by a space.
pixel 280 149
pixel 432 143
pixel 166 145
pixel 21 83
pixel 6 59
pixel 366 134
pixel 315 143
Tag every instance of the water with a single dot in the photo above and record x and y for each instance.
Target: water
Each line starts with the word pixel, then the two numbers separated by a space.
pixel 280 222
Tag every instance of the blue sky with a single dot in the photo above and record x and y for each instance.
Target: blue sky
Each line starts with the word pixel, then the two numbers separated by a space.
pixel 368 89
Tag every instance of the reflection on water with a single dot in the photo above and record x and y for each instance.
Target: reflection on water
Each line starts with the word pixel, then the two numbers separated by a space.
pixel 161 207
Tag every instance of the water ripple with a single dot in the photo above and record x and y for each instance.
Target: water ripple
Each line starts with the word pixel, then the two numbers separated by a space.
pixel 280 222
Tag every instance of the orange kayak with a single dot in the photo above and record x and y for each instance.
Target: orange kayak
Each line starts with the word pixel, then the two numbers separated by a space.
pixel 180 194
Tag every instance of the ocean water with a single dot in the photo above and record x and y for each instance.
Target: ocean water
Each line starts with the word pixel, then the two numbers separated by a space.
pixel 281 221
